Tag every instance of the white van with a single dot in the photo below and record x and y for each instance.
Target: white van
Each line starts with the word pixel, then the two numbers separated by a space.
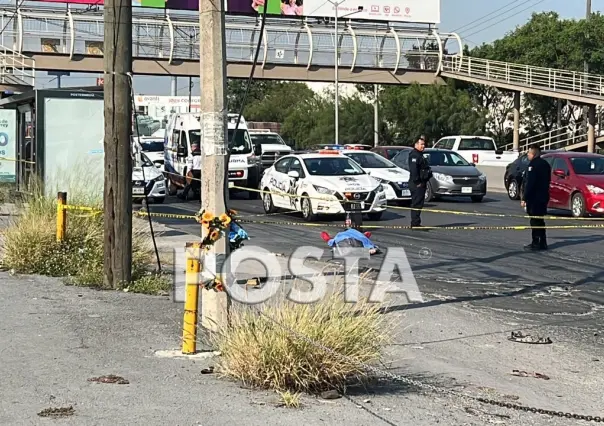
pixel 185 128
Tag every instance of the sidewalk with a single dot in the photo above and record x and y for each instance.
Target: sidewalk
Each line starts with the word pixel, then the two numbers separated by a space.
pixel 54 338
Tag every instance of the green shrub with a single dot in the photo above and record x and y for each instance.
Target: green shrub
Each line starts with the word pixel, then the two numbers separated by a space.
pixel 267 350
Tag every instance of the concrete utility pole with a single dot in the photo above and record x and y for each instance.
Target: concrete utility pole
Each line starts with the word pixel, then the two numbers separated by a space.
pixel 376 116
pixel 586 66
pixel 212 48
pixel 174 86
pixel 117 60
pixel 516 133
pixel 587 16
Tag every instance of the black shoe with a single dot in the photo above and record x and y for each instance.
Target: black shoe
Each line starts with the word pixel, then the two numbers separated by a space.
pixel 531 247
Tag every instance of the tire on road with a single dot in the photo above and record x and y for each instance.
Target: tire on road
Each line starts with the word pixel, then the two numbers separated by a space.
pixel 577 205
pixel 513 189
pixel 477 198
pixel 429 194
pixel 267 202
pixel 307 212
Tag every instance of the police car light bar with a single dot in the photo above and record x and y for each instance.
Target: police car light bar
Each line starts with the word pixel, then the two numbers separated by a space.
pixel 329 151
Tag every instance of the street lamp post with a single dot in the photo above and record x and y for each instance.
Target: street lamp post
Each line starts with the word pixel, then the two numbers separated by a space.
pixel 336 65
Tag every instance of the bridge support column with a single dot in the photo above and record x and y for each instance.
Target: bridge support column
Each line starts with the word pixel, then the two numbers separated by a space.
pixel 516 121
pixel 591 128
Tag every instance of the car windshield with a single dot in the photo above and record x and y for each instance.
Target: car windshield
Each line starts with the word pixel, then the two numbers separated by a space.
pixel 152 146
pixel 241 143
pixel 145 162
pixel 477 143
pixel 266 139
pixel 445 158
pixel 332 166
pixel 369 160
pixel 588 165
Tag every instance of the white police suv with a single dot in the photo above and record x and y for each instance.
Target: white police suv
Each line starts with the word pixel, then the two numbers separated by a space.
pixel 325 182
pixel 394 179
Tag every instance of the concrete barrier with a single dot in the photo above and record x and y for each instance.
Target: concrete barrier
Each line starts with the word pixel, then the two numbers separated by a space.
pixel 494 176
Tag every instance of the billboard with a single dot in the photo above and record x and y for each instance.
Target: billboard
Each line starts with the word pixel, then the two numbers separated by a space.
pixel 8 136
pixel 415 11
pixel 418 11
pixel 157 4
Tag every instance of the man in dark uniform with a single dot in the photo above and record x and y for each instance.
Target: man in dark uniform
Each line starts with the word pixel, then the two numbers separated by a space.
pixel 420 174
pixel 536 196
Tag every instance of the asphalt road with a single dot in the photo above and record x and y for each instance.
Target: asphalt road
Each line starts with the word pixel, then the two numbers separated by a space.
pixel 486 268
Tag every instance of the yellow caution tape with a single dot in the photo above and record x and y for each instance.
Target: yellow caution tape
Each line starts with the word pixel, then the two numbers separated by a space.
pixel 96 211
pixel 82 208
pixel 457 228
pixel 166 215
pixel 461 213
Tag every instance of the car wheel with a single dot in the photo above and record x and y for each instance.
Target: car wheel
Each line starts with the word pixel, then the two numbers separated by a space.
pixel 307 213
pixel 267 202
pixel 172 188
pixel 159 200
pixel 375 215
pixel 477 198
pixel 513 192
pixel 578 205
pixel 429 195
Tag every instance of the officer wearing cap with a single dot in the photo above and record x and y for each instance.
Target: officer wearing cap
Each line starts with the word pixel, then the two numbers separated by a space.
pixel 535 196
pixel 420 174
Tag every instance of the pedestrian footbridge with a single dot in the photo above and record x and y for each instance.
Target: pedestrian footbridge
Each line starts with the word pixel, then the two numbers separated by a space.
pixel 295 50
pixel 71 40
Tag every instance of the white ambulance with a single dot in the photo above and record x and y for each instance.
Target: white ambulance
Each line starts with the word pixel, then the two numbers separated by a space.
pixel 185 128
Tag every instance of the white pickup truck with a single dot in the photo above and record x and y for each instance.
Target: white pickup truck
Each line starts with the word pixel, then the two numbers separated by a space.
pixel 480 150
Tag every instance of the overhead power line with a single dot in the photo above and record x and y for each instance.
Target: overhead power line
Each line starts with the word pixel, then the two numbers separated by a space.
pixel 487 15
pixel 503 19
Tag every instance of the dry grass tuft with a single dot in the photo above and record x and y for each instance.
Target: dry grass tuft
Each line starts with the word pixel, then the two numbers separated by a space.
pixel 271 350
pixel 290 399
pixel 29 244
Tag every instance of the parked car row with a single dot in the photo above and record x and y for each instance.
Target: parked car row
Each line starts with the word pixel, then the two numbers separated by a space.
pixel 577 181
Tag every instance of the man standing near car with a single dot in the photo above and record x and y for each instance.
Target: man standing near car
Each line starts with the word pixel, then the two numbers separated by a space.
pixel 536 197
pixel 193 170
pixel 420 174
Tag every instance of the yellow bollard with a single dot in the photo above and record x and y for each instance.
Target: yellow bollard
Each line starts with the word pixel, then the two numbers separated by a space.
pixel 61 215
pixel 189 326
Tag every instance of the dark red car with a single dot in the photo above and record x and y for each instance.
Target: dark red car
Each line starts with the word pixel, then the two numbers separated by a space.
pixel 577 182
pixel 389 152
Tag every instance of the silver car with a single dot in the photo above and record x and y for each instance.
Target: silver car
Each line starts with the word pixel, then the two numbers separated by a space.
pixel 452 175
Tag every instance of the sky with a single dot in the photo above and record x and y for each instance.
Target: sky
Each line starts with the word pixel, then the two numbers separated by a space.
pixel 476 21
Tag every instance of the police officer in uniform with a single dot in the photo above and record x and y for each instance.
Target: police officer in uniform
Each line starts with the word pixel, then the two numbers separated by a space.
pixel 420 174
pixel 193 170
pixel 536 196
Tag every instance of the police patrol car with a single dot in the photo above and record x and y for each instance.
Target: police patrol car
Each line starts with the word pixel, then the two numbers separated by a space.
pixel 394 179
pixel 324 182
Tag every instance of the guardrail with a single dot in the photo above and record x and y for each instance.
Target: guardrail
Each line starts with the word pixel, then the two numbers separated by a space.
pixel 578 83
pixel 283 42
pixel 540 138
pixel 16 69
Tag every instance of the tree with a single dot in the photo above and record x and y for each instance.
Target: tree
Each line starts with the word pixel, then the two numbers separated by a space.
pixel 278 101
pixel 434 111
pixel 236 92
